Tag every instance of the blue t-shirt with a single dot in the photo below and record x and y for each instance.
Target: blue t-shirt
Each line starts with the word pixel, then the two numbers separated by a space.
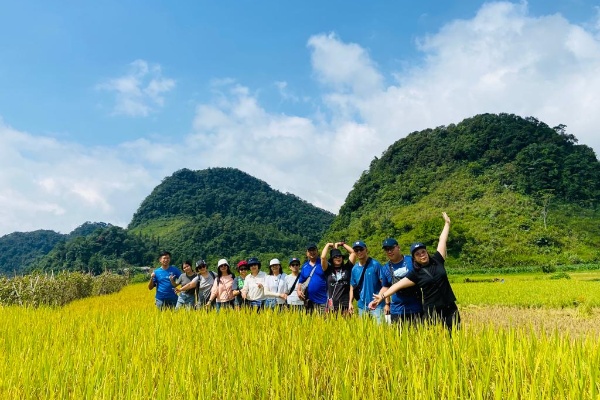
pixel 371 281
pixel 164 289
pixel 317 287
pixel 407 301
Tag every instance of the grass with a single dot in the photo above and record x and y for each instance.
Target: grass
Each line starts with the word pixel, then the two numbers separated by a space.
pixel 119 346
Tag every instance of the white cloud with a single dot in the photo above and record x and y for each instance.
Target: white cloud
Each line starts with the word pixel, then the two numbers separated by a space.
pixel 501 60
pixel 140 91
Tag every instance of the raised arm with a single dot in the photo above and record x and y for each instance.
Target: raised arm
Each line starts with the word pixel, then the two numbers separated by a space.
pixel 350 250
pixel 441 247
pixel 324 254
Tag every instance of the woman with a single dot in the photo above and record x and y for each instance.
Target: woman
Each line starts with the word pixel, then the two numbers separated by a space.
pixel 238 284
pixel 337 274
pixel 430 275
pixel 275 288
pixel 202 282
pixel 291 281
pixel 222 289
pixel 253 290
pixel 186 298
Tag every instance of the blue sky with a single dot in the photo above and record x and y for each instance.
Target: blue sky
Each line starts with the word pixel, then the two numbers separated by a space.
pixel 99 101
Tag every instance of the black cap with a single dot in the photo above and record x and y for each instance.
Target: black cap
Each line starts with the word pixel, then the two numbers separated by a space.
pixel 311 246
pixel 200 263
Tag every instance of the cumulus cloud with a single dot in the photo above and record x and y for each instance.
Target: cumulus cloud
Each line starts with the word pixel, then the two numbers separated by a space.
pixel 501 60
pixel 140 91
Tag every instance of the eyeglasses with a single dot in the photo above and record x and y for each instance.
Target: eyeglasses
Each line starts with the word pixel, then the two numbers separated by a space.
pixel 201 267
pixel 223 265
pixel 337 256
pixel 244 269
pixel 387 249
pixel 312 249
pixel 358 249
pixel 294 265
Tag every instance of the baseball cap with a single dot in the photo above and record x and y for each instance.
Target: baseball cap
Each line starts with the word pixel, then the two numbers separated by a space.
pixel 389 242
pixel 241 264
pixel 359 243
pixel 200 263
pixel 335 253
pixel 416 246
pixel 294 259
pixel 311 246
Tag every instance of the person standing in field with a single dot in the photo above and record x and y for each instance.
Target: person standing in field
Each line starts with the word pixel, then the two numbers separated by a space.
pixel 291 282
pixel 238 284
pixel 222 289
pixel 365 280
pixel 254 289
pixel 186 298
pixel 275 289
pixel 312 276
pixel 160 279
pixel 405 306
pixel 338 273
pixel 202 283
pixel 430 275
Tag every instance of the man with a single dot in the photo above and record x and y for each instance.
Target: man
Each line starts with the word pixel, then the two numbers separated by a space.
pixel 161 280
pixel 366 281
pixel 312 271
pixel 407 304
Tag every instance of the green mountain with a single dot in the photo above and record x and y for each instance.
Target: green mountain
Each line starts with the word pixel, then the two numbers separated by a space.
pixel 224 212
pixel 518 193
pixel 19 249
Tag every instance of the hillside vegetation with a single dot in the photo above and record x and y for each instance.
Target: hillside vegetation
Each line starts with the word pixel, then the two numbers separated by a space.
pixel 518 192
pixel 224 212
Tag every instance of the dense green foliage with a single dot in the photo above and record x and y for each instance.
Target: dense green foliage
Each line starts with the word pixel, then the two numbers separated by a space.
pixel 19 249
pixel 224 212
pixel 518 192
pixel 105 249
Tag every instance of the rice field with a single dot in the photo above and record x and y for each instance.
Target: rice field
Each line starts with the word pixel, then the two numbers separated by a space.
pixel 119 347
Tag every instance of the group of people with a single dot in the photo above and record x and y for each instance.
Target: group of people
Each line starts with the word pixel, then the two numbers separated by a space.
pixel 410 288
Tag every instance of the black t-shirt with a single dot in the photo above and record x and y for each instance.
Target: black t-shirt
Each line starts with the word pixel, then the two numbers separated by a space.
pixel 338 282
pixel 433 279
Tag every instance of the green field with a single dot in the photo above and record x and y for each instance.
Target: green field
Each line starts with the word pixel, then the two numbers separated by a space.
pixel 528 337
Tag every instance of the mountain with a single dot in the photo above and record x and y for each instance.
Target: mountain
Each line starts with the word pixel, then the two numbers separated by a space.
pixel 19 249
pixel 518 192
pixel 224 212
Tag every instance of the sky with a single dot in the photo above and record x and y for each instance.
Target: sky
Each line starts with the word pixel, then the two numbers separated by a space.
pixel 101 101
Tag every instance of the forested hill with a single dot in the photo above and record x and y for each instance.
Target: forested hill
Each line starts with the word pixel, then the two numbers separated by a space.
pixel 518 192
pixel 224 212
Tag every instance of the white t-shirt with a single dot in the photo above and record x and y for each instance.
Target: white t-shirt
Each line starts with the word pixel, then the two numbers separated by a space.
pixel 292 299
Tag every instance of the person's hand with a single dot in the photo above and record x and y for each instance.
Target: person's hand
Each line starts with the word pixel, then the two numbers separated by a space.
pixel 260 285
pixel 350 309
pixel 171 277
pixel 283 296
pixel 446 217
pixel 300 294
pixel 386 309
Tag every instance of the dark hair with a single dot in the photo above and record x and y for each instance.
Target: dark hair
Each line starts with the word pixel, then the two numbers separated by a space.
pixel 219 274
pixel 164 253
pixel 271 270
pixel 188 262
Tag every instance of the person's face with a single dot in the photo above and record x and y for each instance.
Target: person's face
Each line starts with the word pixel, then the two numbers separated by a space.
pixel 201 269
pixel 244 271
pixel 337 260
pixel 392 253
pixel 361 253
pixel 187 268
pixel 295 266
pixel 165 260
pixel 312 253
pixel 223 268
pixel 276 268
pixel 421 256
pixel 254 269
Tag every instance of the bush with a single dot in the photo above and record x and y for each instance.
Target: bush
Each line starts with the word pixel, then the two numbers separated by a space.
pixel 560 275
pixel 548 269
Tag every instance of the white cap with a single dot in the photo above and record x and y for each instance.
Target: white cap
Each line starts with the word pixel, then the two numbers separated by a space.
pixel 221 262
pixel 274 261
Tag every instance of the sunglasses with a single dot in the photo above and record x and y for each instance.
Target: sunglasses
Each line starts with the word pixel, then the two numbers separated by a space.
pixel 244 269
pixel 359 249
pixel 337 256
pixel 223 265
pixel 386 249
pixel 294 265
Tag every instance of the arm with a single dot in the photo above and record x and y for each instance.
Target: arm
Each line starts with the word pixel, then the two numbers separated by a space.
pixel 172 279
pixel 214 291
pixel 188 286
pixel 350 250
pixel 152 283
pixel 441 247
pixel 351 297
pixel 401 284
pixel 324 263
